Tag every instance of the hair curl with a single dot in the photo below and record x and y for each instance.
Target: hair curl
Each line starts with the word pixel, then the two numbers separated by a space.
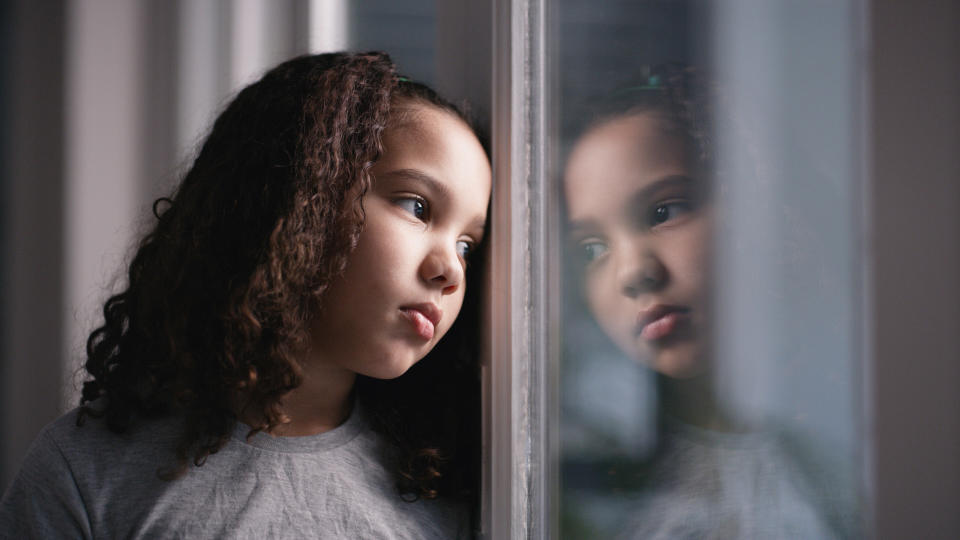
pixel 221 291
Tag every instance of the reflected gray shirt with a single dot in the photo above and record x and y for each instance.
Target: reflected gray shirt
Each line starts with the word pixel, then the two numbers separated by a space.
pixel 88 482
pixel 707 484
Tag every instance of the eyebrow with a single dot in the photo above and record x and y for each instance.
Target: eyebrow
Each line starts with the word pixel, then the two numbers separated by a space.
pixel 432 183
pixel 673 180
pixel 581 227
pixel 441 190
pixel 642 196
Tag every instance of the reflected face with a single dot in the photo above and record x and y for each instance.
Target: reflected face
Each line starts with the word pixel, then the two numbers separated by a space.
pixel 640 227
pixel 404 283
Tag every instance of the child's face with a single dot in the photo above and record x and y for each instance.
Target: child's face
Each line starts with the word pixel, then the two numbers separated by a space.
pixel 404 283
pixel 640 226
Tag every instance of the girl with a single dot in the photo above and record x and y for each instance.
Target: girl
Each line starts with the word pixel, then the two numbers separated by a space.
pixel 640 216
pixel 250 381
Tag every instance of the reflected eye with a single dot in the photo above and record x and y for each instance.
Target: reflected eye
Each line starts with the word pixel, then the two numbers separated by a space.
pixel 464 248
pixel 591 250
pixel 415 206
pixel 664 212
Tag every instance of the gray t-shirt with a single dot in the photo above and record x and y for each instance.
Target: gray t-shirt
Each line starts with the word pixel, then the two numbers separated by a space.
pixel 708 484
pixel 87 482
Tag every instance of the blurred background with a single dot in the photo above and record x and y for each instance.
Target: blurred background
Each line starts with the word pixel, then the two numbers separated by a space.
pixel 838 304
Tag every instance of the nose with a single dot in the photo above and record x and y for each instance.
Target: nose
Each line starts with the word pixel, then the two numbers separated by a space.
pixel 639 271
pixel 442 268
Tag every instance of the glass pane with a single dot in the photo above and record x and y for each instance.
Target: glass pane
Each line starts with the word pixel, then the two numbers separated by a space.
pixel 708 168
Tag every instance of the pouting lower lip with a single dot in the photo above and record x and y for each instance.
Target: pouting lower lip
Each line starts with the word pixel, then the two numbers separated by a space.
pixel 424 318
pixel 423 326
pixel 428 309
pixel 659 321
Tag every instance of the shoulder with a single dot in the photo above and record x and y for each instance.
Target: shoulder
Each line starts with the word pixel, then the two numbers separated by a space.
pixel 89 446
pixel 86 448
pixel 80 477
pixel 63 443
pixel 44 498
pixel 827 480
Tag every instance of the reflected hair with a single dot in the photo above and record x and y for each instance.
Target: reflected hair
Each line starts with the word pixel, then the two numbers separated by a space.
pixel 220 293
pixel 676 92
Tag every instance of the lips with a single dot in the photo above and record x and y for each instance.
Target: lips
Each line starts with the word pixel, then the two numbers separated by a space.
pixel 424 318
pixel 660 321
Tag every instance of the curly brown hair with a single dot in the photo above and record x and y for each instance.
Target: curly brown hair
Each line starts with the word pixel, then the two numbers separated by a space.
pixel 220 293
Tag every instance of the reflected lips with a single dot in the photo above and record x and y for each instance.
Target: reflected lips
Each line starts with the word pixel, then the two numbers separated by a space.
pixel 659 321
pixel 424 318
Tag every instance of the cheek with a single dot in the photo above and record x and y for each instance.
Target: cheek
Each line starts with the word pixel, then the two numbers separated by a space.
pixel 454 305
pixel 451 305
pixel 605 302
pixel 597 298
pixel 379 253
pixel 688 261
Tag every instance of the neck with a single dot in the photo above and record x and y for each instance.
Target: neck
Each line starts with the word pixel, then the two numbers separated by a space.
pixel 693 401
pixel 323 400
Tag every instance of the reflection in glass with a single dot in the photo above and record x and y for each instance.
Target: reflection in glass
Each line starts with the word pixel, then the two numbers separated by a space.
pixel 660 434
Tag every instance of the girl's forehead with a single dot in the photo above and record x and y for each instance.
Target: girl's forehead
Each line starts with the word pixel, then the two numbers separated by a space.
pixel 435 142
pixel 411 110
pixel 646 128
pixel 618 159
pixel 418 113
pixel 624 149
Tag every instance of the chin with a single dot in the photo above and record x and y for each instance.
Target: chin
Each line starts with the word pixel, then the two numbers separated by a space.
pixel 680 372
pixel 679 364
pixel 390 369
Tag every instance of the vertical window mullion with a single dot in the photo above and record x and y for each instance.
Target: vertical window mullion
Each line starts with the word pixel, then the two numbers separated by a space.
pixel 516 378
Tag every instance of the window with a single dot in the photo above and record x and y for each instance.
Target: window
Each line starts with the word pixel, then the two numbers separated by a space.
pixel 814 148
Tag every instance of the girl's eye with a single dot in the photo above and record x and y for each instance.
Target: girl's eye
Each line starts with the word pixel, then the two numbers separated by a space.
pixel 591 250
pixel 415 206
pixel 664 212
pixel 464 248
